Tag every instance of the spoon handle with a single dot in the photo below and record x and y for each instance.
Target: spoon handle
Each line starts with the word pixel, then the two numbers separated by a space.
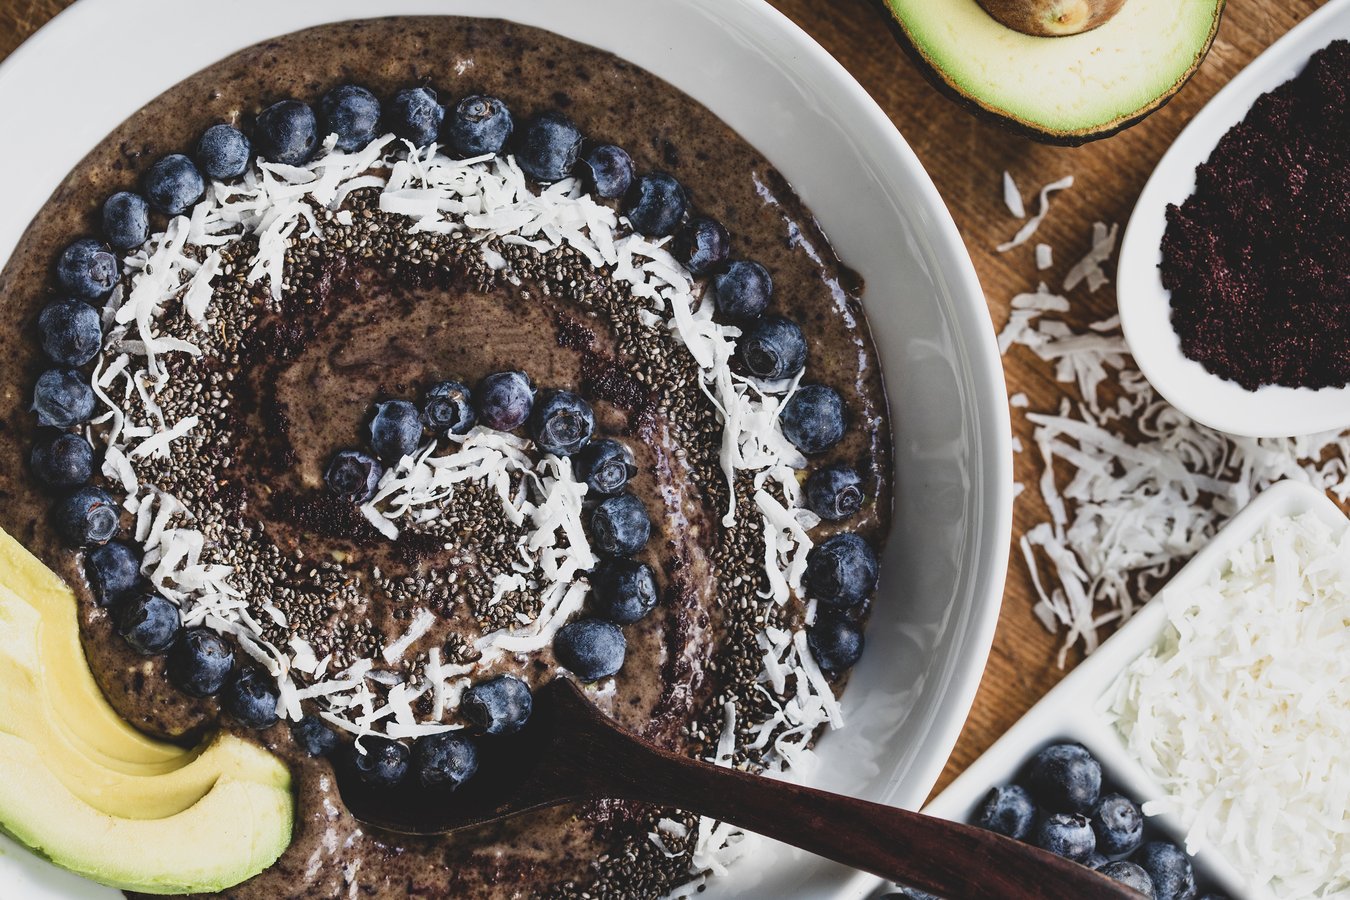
pixel 949 859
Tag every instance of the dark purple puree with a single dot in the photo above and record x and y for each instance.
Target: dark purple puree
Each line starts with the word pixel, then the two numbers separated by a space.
pixel 1258 258
pixel 368 319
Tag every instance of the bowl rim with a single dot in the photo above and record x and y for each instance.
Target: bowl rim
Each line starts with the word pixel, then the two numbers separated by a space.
pixel 1145 305
pixel 991 492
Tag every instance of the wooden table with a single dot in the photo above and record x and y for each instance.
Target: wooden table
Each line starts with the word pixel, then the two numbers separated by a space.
pixel 966 159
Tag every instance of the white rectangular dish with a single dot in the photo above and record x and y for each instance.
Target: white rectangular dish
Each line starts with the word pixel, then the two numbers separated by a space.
pixel 1072 710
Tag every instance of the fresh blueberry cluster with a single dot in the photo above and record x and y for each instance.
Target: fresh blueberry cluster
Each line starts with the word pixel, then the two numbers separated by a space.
pixel 624 590
pixel 1059 805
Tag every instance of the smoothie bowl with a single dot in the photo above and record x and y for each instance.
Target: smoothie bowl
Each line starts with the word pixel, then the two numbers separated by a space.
pixel 386 369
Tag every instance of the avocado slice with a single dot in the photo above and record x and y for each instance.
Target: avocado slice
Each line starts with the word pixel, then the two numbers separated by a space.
pixel 85 789
pixel 26 712
pixel 232 833
pixel 1065 89
pixel 71 689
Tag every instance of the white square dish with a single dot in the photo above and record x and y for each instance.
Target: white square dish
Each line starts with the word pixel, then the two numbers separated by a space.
pixel 1072 710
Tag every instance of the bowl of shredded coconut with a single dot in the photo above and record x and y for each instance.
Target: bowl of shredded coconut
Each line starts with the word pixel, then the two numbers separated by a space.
pixel 1224 706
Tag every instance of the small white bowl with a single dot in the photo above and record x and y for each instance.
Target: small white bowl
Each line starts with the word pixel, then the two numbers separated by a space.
pixel 1070 712
pixel 1145 305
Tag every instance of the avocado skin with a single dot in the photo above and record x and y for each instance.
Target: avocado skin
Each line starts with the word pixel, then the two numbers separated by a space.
pixel 1011 123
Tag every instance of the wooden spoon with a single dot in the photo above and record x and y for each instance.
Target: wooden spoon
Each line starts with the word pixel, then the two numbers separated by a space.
pixel 570 751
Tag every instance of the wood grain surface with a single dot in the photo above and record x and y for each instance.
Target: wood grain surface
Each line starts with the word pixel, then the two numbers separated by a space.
pixel 966 158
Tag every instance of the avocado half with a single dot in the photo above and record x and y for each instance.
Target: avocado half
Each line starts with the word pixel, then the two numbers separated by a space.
pixel 1068 89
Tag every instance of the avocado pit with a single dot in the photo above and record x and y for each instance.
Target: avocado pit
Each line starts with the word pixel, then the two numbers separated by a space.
pixel 1052 18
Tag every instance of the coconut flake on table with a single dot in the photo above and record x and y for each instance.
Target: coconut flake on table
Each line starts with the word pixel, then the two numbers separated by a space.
pixel 1026 231
pixel 1045 256
pixel 1089 268
pixel 1242 711
pixel 1012 197
pixel 1139 487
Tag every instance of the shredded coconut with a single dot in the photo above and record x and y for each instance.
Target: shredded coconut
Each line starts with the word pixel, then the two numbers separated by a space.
pixel 1045 256
pixel 1089 268
pixel 1140 487
pixel 1242 711
pixel 1012 197
pixel 1026 231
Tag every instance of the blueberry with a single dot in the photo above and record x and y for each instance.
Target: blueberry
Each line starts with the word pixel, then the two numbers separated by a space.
pixel 655 204
pixel 312 735
pixel 1119 825
pixel 63 459
pixel 62 398
pixel 352 113
pixel 287 133
pixel 1170 870
pixel 607 171
pixel 478 126
pixel 250 697
pixel 87 517
pixel 620 526
pixel 605 465
pixel 126 220
pixel 813 418
pixel 561 422
pixel 834 493
pixel 590 649
pixel 548 147
pixel 223 152
pixel 504 400
pixel 445 760
pixel 148 623
pixel 498 706
pixel 200 662
pixel 113 570
pixel 1130 875
pixel 702 245
pixel 1008 811
pixel 379 761
pixel 772 348
pixel 354 475
pixel 835 641
pixel 1064 778
pixel 395 430
pixel 841 571
pixel 173 185
pixel 1095 860
pixel 743 291
pixel 71 332
pixel 625 590
pixel 448 409
pixel 416 115
pixel 1066 834
pixel 87 269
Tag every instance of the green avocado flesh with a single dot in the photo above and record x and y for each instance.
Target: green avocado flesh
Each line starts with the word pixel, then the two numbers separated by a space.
pixel 1070 88
pixel 86 790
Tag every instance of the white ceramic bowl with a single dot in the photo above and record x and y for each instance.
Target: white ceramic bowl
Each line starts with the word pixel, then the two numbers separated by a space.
pixel 1070 712
pixel 1145 305
pixel 944 569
